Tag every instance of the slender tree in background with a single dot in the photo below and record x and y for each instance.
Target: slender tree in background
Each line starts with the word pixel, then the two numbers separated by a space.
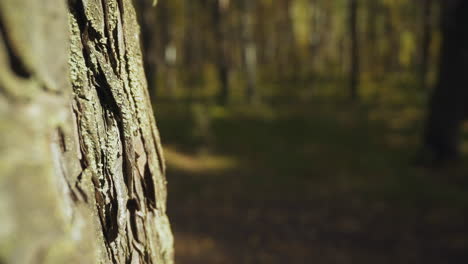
pixel 191 44
pixel 373 10
pixel 354 50
pixel 249 50
pixel 314 38
pixel 425 42
pixel 317 29
pixel 448 105
pixel 223 66
pixel 147 21
pixel 287 57
pixel 82 172
pixel 168 46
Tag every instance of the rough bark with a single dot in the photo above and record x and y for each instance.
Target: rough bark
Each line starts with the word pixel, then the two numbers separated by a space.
pixel 81 168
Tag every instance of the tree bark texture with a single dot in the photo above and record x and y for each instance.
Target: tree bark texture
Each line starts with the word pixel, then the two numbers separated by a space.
pixel 81 169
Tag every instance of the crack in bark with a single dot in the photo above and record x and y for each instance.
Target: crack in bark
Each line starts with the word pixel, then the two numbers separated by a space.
pixel 101 179
pixel 120 151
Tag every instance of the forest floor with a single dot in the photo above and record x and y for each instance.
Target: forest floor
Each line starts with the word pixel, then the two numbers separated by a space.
pixel 309 183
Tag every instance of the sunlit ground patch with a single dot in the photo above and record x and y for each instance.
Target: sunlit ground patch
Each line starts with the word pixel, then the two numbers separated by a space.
pixel 198 162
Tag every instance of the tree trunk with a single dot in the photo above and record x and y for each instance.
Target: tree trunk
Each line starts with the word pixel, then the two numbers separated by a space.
pixel 220 9
pixel 81 168
pixel 249 50
pixel 147 20
pixel 354 52
pixel 287 60
pixel 448 107
pixel 373 10
pixel 425 42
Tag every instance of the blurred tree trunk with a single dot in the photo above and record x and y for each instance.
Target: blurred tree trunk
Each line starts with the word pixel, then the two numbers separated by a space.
pixel 354 52
pixel 373 10
pixel 249 50
pixel 147 21
pixel 392 36
pixel 220 9
pixel 448 105
pixel 170 59
pixel 318 29
pixel 190 46
pixel 82 173
pixel 425 42
pixel 168 46
pixel 287 54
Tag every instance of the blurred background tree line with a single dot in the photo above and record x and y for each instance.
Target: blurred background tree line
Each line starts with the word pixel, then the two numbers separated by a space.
pixel 244 51
pixel 307 116
pixel 287 50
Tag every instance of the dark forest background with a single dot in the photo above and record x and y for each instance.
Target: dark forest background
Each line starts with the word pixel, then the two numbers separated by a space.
pixel 312 131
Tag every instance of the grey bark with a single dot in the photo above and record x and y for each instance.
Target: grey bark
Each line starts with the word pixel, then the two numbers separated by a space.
pixel 81 168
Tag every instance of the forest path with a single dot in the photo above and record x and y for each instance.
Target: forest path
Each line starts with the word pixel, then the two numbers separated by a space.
pixel 315 183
